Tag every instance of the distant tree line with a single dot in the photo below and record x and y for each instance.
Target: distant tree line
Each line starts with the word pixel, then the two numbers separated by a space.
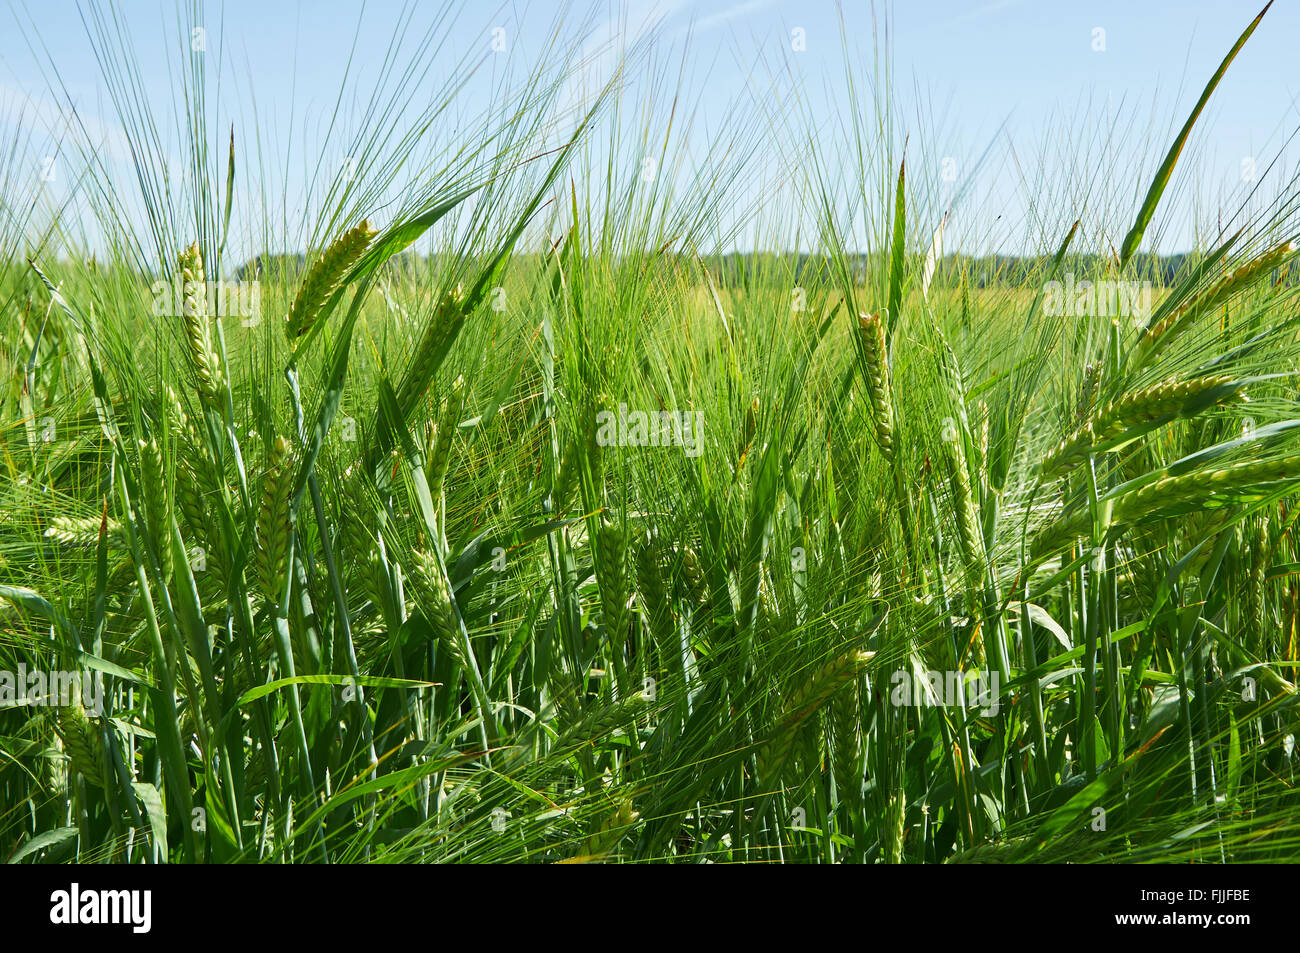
pixel 743 270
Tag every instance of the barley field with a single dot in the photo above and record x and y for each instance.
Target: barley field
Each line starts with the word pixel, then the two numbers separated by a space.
pixel 493 507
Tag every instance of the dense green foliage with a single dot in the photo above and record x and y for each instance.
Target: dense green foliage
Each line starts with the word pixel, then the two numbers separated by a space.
pixel 371 583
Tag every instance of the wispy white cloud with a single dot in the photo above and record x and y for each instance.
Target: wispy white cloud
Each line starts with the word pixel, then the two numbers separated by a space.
pixel 980 13
pixel 602 50
pixel 56 122
pixel 715 20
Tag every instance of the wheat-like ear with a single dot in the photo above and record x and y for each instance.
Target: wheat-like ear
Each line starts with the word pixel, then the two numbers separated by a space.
pixel 193 510
pixel 610 550
pixel 963 499
pixel 156 502
pixel 1169 327
pixel 273 527
pixel 829 679
pixel 440 609
pixel 361 547
pixel 83 531
pixel 654 594
pixel 593 457
pixel 1254 607
pixel 450 312
pixel 610 831
pixel 845 721
pixel 1169 493
pixel 198 334
pixel 82 742
pixel 871 331
pixel 1165 399
pixel 439 438
pixel 1185 488
pixel 601 720
pixel 323 278
pixel 566 476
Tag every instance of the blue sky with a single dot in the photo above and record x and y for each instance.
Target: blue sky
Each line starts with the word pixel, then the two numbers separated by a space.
pixel 1012 72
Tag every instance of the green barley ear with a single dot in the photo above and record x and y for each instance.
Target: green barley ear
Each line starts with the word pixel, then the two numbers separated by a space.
pixel 768 607
pixel 593 455
pixel 82 742
pixel 750 426
pixel 566 476
pixel 610 551
pixel 694 582
pixel 323 278
pixel 440 436
pixel 1135 411
pixel 827 681
pixel 199 491
pixel 968 535
pixel 175 410
pixel 440 609
pixel 198 333
pixel 1175 491
pixel 77 531
pixel 564 696
pixel 273 527
pixel 450 314
pixel 871 331
pixel 1009 851
pixel 654 595
pixel 1169 327
pixel 194 514
pixel 846 741
pixel 965 299
pixel 1169 495
pixel 602 720
pixel 610 831
pixel 1088 390
pixel 895 826
pixel 361 548
pixel 156 502
pixel 1254 605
